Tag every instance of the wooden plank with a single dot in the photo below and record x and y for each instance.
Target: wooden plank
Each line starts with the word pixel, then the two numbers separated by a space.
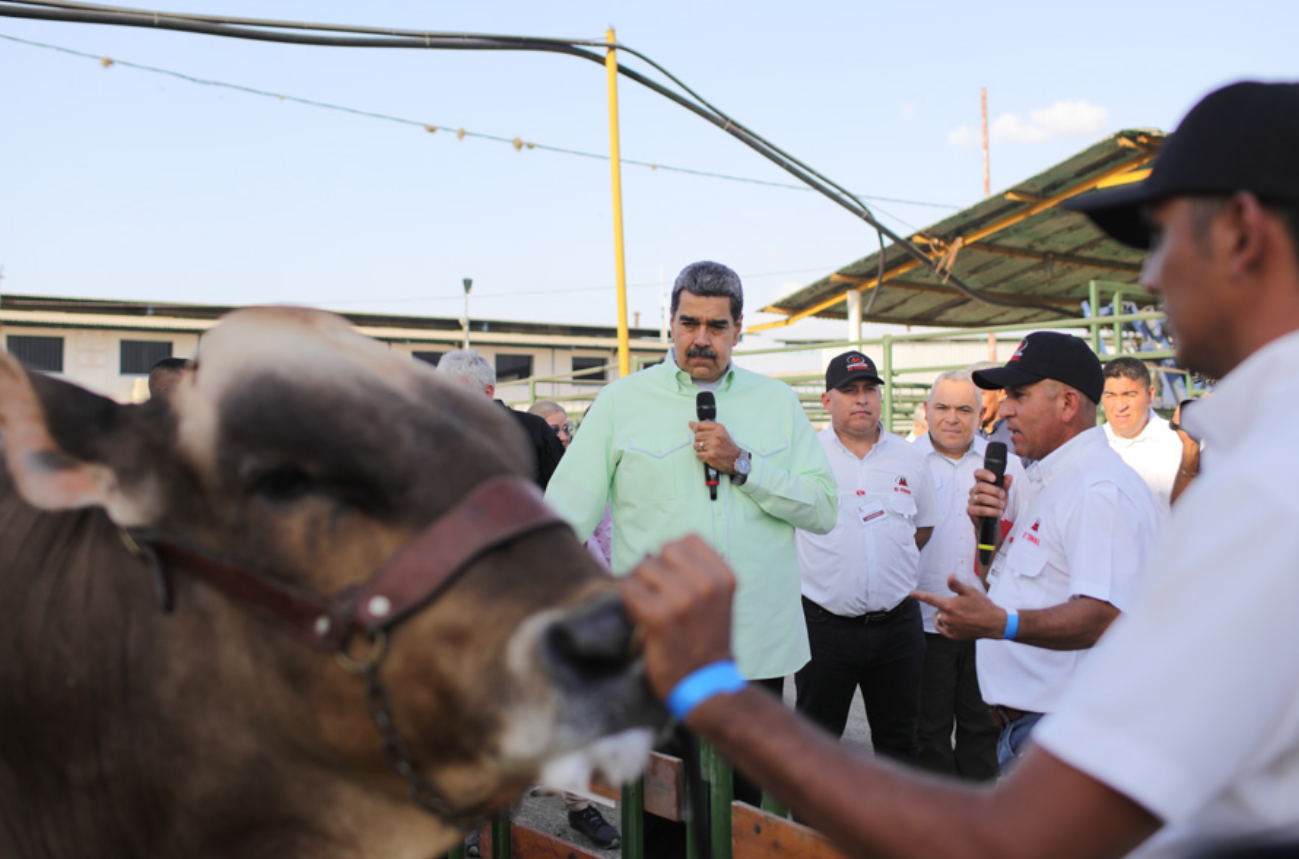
pixel 755 834
pixel 665 787
pixel 529 843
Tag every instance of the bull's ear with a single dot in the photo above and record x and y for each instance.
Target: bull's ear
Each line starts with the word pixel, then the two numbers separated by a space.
pixel 58 441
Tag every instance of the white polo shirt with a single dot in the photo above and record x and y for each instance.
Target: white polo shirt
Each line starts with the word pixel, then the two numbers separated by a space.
pixel 953 544
pixel 1155 453
pixel 1190 704
pixel 1086 532
pixel 869 561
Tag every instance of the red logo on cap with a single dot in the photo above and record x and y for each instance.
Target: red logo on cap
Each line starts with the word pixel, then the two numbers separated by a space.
pixel 858 362
pixel 1019 351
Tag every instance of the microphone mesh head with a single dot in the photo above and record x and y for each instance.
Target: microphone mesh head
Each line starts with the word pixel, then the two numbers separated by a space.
pixel 706 406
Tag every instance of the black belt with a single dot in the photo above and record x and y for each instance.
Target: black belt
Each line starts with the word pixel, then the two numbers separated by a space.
pixel 870 617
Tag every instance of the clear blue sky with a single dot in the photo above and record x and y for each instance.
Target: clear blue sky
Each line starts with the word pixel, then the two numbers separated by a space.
pixel 120 183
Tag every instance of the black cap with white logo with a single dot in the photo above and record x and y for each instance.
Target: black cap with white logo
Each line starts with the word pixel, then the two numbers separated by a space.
pixel 849 367
pixel 1048 355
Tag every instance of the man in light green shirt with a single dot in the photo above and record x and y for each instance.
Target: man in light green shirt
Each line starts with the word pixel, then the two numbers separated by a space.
pixel 641 450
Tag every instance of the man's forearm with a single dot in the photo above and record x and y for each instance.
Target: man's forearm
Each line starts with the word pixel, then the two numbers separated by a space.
pixel 870 807
pixel 1073 625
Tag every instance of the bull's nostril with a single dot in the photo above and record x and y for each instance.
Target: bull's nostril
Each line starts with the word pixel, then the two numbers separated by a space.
pixel 596 637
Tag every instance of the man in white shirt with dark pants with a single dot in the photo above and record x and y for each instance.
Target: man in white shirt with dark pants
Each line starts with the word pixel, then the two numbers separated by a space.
pixel 863 626
pixel 949 695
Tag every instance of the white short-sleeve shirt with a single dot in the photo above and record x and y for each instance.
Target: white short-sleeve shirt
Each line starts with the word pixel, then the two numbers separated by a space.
pixel 869 562
pixel 952 546
pixel 1086 532
pixel 1190 704
pixel 1155 453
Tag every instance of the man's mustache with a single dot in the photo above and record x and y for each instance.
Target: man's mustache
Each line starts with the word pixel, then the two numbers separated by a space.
pixel 701 352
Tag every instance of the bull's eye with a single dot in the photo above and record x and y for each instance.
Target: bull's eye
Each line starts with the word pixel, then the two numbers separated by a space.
pixel 285 483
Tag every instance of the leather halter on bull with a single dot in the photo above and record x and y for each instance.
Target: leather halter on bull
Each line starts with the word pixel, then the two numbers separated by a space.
pixel 496 513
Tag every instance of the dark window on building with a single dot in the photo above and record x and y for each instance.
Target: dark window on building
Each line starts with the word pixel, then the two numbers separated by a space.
pixel 139 356
pixel 512 367
pixel 37 353
pixel 428 357
pixel 592 364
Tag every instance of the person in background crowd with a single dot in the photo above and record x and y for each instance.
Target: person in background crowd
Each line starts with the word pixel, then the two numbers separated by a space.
pixel 471 370
pixel 1181 731
pixel 862 622
pixel 992 427
pixel 553 413
pixel 949 693
pixel 1142 438
pixel 165 375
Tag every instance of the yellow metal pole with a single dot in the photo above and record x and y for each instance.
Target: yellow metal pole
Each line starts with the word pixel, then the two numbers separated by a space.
pixel 615 163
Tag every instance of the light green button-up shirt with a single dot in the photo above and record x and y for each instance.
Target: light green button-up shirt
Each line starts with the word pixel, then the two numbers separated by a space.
pixel 634 451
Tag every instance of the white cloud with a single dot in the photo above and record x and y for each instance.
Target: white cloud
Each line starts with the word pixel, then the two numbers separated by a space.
pixel 909 110
pixel 963 136
pixel 1067 117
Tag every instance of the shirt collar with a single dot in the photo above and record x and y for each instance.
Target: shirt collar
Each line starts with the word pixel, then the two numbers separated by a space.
pixel 1147 432
pixel 883 440
pixel 1224 419
pixel 685 383
pixel 1064 457
pixel 925 444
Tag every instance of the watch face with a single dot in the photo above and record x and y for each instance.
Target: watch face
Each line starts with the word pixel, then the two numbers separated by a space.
pixel 743 464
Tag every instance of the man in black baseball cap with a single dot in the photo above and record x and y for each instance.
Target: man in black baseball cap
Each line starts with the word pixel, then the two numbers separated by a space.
pixel 1053 384
pixel 849 367
pixel 1180 732
pixel 1048 355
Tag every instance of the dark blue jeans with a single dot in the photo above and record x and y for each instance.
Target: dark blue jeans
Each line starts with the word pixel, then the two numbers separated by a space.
pixel 1014 740
pixel 884 658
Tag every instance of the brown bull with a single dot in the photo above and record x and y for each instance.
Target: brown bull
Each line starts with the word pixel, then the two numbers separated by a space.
pixel 306 457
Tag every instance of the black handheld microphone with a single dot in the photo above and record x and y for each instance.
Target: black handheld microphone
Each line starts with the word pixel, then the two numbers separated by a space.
pixel 995 461
pixel 706 410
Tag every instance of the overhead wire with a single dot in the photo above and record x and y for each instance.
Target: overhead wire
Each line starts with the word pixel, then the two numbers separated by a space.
pixel 268 30
pixel 515 142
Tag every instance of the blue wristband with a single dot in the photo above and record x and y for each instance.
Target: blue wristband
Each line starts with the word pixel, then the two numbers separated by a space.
pixel 701 684
pixel 1012 626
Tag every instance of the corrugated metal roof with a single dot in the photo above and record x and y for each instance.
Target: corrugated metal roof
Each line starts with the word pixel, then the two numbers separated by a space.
pixel 1017 247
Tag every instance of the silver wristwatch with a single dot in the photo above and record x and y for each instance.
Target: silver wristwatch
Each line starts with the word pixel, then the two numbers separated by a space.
pixel 743 465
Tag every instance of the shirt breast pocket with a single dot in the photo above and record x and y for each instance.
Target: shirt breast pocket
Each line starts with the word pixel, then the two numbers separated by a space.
pixel 760 445
pixel 902 516
pixel 1028 567
pixel 653 464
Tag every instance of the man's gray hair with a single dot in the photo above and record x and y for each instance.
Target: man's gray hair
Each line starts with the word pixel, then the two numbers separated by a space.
pixel 961 376
pixel 547 407
pixel 466 365
pixel 709 279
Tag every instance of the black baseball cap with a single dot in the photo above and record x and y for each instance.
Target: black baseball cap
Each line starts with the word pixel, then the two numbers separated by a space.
pixel 1244 137
pixel 1048 355
pixel 849 367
